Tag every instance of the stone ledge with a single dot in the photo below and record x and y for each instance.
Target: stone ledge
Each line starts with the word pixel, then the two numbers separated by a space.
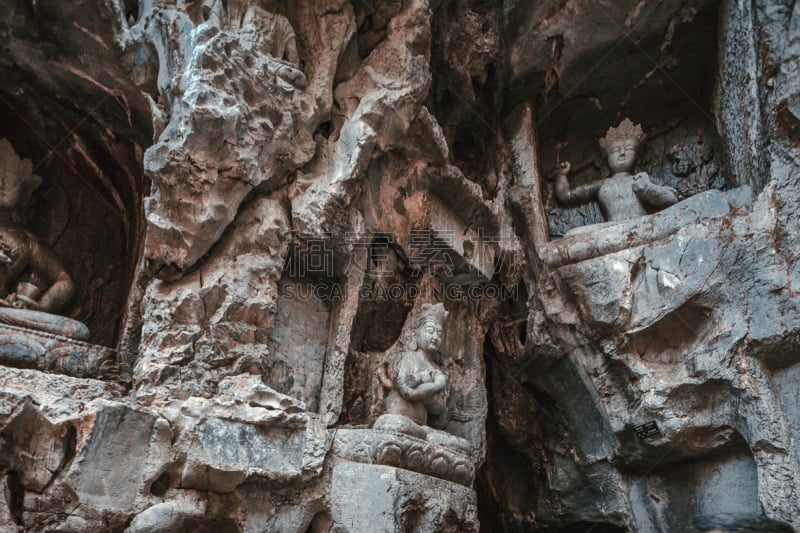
pixel 384 499
pixel 373 446
pixel 602 239
pixel 26 348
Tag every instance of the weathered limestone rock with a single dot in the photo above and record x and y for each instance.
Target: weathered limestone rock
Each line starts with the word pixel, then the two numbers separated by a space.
pixel 399 500
pixel 167 516
pixel 7 521
pixel 255 201
pixel 217 320
pixel 200 180
pixel 460 241
pixel 34 448
pixel 267 438
pixel 375 108
pixel 98 476
pixel 264 119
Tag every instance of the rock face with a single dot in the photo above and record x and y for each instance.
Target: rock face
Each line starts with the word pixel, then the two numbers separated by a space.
pixel 259 203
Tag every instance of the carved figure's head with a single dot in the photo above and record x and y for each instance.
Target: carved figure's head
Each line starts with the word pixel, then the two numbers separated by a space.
pixel 681 163
pixel 429 327
pixel 17 180
pixel 620 144
pixel 706 153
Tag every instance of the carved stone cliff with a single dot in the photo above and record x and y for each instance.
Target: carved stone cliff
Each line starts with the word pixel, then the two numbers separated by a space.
pixel 363 266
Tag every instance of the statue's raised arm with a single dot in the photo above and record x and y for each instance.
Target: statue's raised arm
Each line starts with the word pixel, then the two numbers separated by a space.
pixel 573 195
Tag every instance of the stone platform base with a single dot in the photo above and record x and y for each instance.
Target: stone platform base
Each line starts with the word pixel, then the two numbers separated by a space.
pixel 383 499
pixel 28 348
pixel 383 447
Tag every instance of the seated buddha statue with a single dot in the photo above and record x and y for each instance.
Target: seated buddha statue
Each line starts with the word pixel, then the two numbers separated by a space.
pixel 34 286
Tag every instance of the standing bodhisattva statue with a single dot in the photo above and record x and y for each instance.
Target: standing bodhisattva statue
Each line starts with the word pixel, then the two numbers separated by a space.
pixel 622 196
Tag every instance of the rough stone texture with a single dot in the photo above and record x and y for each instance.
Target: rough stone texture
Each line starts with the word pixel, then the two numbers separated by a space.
pixel 216 320
pixel 399 501
pixel 254 201
pixel 299 345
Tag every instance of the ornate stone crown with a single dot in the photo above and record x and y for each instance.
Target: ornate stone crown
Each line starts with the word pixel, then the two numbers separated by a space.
pixel 431 313
pixel 626 131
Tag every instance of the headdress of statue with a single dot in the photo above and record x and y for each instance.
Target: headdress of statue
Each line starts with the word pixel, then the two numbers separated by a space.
pixel 17 180
pixel 435 313
pixel 626 131
pixel 430 313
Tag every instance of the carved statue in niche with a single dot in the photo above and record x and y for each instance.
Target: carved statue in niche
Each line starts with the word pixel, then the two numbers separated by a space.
pixel 267 38
pixel 34 286
pixel 418 388
pixel 693 169
pixel 272 35
pixel 622 196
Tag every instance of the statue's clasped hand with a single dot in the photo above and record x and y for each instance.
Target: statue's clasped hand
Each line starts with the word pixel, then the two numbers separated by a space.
pixel 20 301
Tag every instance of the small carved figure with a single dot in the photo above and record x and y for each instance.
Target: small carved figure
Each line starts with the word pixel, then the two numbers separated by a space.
pixel 681 163
pixel 271 37
pixel 418 387
pixel 33 282
pixel 270 34
pixel 622 196
pixel 682 169
pixel 694 169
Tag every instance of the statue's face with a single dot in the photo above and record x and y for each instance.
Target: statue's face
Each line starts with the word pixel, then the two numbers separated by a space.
pixel 706 153
pixel 11 189
pixel 680 164
pixel 429 336
pixel 621 155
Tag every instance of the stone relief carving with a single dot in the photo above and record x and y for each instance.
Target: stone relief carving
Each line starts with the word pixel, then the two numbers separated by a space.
pixel 35 286
pixel 418 388
pixel 391 448
pixel 623 195
pixel 404 436
pixel 680 166
pixel 693 169
pixel 681 155
pixel 595 348
pixel 267 39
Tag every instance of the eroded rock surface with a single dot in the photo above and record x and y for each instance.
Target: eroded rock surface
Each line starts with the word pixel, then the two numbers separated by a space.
pixel 256 201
